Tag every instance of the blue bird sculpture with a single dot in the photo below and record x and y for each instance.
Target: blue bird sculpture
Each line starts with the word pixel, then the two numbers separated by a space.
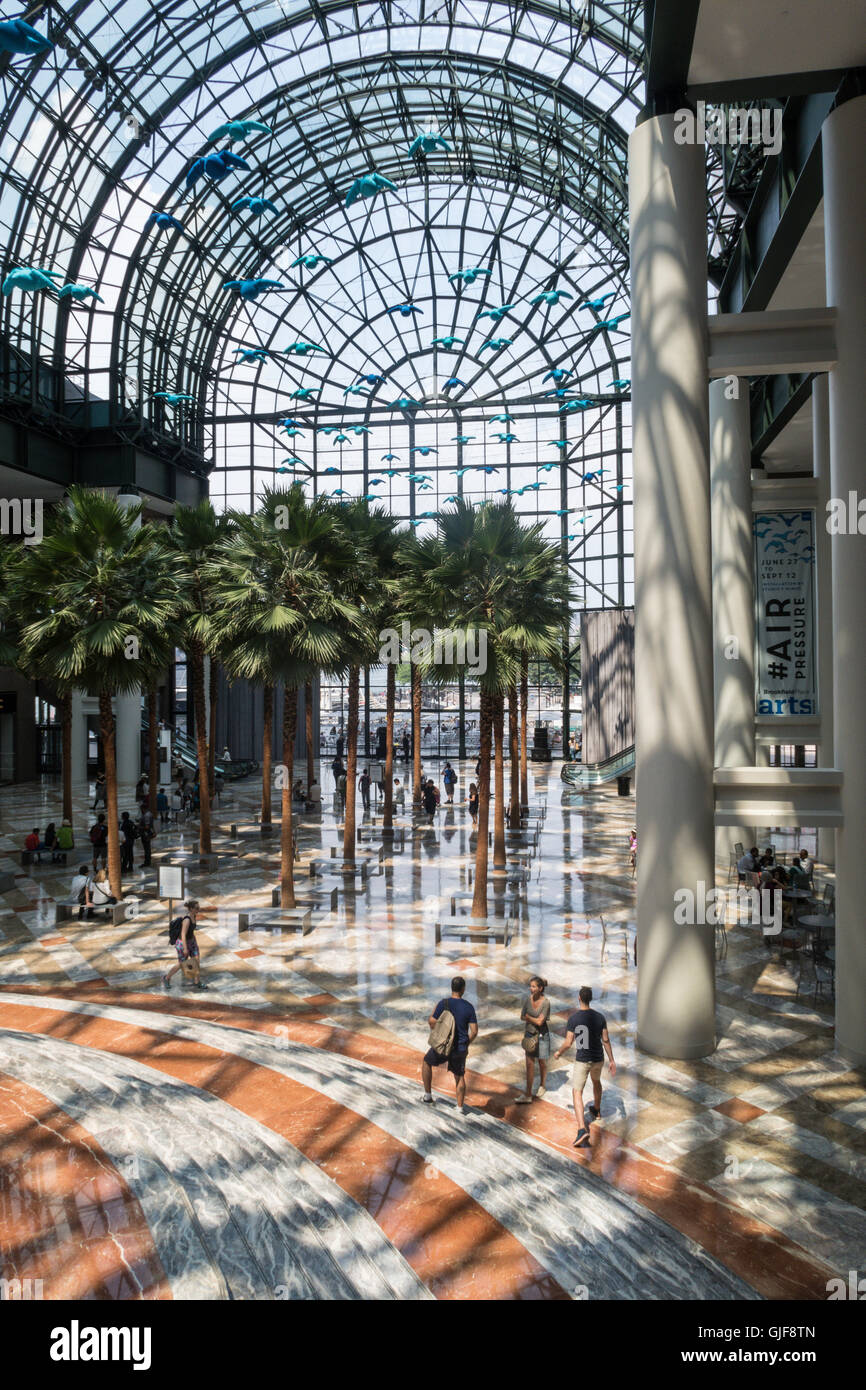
pixel 459 471
pixel 359 429
pixel 496 344
pixel 405 310
pixel 462 438
pixel 238 130
pixel 390 472
pixel 611 324
pixel 557 374
pixel 496 314
pixel 305 393
pixel 452 383
pixel 406 404
pixel 171 397
pixel 328 429
pixel 356 390
pixel 376 482
pixel 558 393
pixel 163 220
pixel 598 303
pixel 311 261
pixel 257 206
pixel 552 297
pixel 485 468
pixel 17 36
pixel 546 467
pixel 292 431
pixel 302 349
pixel 423 450
pixel 331 469
pixel 373 378
pixel 25 277
pixel 215 167
pixel 252 354
pixel 506 438
pixel 79 293
pixel 621 383
pixel 367 186
pixel 390 458
pixel 251 289
pixel 453 498
pixel 559 443
pixel 469 275
pixel 428 142
pixel 501 419
pixel 570 406
pixel 446 343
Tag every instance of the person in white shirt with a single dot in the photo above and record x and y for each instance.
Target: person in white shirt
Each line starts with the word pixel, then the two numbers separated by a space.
pixel 79 891
pixel 802 868
pixel 314 793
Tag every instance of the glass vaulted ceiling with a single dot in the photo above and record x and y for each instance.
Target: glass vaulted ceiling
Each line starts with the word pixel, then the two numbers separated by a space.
pixel 535 101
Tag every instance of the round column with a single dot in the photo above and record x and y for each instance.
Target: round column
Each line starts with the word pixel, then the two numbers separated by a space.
pixel 824 594
pixel 673 590
pixel 844 151
pixel 127 705
pixel 733 570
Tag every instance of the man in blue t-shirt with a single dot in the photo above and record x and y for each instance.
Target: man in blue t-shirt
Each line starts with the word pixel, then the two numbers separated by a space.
pixel 465 1032
pixel 587 1029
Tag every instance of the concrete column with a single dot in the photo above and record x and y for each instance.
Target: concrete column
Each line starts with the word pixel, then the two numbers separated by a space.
pixel 673 590
pixel 79 739
pixel 733 569
pixel 844 151
pixel 824 590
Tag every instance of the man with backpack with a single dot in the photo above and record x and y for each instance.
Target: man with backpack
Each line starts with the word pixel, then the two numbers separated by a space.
pixel 449 777
pixel 99 840
pixel 181 935
pixel 453 1026
pixel 128 833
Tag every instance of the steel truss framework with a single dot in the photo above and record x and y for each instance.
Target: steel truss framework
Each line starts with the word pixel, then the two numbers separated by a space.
pixel 535 101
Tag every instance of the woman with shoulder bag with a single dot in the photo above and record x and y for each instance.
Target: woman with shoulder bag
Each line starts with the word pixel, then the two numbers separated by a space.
pixel 536 1037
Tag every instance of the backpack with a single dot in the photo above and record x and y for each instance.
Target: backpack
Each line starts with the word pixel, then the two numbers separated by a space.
pixel 443 1033
pixel 96 834
pixel 175 927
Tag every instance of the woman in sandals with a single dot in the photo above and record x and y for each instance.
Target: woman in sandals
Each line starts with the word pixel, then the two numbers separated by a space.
pixel 536 1036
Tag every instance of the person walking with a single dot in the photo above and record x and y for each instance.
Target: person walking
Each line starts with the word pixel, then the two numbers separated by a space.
pixel 146 831
pixel 587 1029
pixel 181 934
pixel 127 840
pixel 337 769
pixel 536 1037
pixel 162 806
pixel 399 794
pixel 99 791
pixel 449 778
pixel 341 743
pixel 99 841
pixel 364 788
pixel 429 800
pixel 473 802
pixel 456 1050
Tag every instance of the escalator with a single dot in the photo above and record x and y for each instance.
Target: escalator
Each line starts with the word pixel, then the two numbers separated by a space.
pixel 584 776
pixel 183 751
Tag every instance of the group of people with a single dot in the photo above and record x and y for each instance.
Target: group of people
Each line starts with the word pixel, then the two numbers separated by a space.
pixel 774 875
pixel 454 1027
pixel 55 842
pixel 89 888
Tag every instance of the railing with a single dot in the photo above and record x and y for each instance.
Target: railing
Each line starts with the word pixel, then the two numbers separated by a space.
pixel 184 751
pixel 580 776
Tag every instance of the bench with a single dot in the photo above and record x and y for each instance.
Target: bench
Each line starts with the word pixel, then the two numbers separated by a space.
pixel 373 853
pixel 396 834
pixel 67 910
pixel 325 898
pixel 291 919
pixel 476 929
pixel 468 897
pixel 340 866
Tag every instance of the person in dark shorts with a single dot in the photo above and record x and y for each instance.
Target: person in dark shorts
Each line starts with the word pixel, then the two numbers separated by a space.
pixel 186 946
pixel 466 1031
pixel 587 1029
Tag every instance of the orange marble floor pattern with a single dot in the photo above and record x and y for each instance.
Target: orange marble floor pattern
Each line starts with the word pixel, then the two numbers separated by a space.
pixel 772 1264
pixel 452 1243
pixel 67 1216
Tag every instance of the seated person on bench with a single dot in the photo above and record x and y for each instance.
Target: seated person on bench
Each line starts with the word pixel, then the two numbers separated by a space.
pixel 80 892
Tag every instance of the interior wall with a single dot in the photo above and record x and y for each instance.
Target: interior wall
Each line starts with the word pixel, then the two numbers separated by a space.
pixel 607 676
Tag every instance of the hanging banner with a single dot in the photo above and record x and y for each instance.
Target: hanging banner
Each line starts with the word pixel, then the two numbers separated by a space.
pixel 785 668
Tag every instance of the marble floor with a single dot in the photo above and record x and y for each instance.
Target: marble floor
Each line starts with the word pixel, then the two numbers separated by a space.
pixel 265 1140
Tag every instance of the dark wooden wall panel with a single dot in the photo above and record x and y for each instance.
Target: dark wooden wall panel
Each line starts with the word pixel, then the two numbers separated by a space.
pixel 607 677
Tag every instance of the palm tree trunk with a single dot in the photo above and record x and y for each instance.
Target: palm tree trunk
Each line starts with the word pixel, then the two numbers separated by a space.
pixel 479 897
pixel 514 758
pixel 352 724
pixel 499 795
pixel 196 655
pixel 390 701
pixel 267 753
pixel 214 685
pixel 524 729
pixel 308 732
pixel 65 707
pixel 416 733
pixel 153 747
pixel 109 755
pixel 287 846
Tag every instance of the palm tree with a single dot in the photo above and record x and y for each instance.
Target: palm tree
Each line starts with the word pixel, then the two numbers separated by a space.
pixel 194 536
pixel 501 578
pixel 416 559
pixel 365 586
pixel 278 617
pixel 104 600
pixel 524 728
pixel 267 750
